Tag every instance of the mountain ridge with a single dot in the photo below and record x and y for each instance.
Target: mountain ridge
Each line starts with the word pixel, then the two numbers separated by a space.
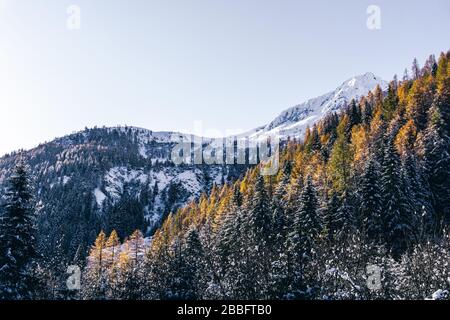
pixel 292 122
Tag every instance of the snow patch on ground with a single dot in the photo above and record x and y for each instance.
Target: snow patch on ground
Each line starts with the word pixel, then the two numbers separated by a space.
pixel 99 196
pixel 65 180
pixel 440 295
pixel 190 178
pixel 117 177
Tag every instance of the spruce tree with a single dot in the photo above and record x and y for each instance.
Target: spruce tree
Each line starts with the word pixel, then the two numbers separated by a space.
pixel 346 216
pixel 367 112
pixel 391 102
pixel 237 277
pixel 370 203
pixel 157 268
pixel 227 239
pixel 278 276
pixel 418 199
pixel 193 266
pixel 257 228
pixel 305 229
pixel 17 239
pixel 415 69
pixel 279 214
pixel 436 162
pixel 177 286
pixel 259 212
pixel 396 216
pixel 331 220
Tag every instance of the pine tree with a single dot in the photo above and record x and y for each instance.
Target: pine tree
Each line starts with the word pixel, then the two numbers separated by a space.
pixel 405 75
pixel 237 196
pixel 332 221
pixel 227 239
pixel 418 199
pixel 257 230
pixel 312 140
pixel 415 69
pixel 396 217
pixel 305 229
pixel 278 276
pixel 259 212
pixel 193 271
pixel 354 113
pixel 177 286
pixel 391 102
pixel 347 216
pixel 157 268
pixel 370 203
pixel 232 243
pixel 17 240
pixel 430 66
pixel 278 207
pixel 367 112
pixel 436 163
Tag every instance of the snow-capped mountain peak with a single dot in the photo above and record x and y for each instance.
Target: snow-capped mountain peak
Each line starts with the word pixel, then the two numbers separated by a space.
pixel 294 121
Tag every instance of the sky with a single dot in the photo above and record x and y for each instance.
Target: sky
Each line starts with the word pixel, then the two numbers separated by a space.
pixel 167 65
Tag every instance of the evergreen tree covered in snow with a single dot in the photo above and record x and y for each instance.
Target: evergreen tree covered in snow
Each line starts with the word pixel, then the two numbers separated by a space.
pixel 17 240
pixel 370 206
pixel 302 236
pixel 396 217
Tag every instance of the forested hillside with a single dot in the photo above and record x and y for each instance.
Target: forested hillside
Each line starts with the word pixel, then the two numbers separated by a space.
pixel 118 178
pixel 359 210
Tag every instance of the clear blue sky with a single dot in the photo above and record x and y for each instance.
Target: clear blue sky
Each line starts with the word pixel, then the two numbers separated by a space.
pixel 162 65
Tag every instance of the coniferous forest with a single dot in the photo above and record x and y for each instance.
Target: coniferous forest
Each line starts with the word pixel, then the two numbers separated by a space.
pixel 359 209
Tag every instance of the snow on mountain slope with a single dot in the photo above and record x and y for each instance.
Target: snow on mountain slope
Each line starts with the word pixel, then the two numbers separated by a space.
pixel 190 177
pixel 151 142
pixel 294 121
pixel 189 181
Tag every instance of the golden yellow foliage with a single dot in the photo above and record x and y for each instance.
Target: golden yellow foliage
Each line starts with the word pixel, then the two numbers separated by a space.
pixel 359 146
pixel 406 138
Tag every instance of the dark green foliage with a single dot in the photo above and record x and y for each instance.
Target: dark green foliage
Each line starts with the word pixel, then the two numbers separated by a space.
pixel 18 255
pixel 370 209
pixel 396 216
